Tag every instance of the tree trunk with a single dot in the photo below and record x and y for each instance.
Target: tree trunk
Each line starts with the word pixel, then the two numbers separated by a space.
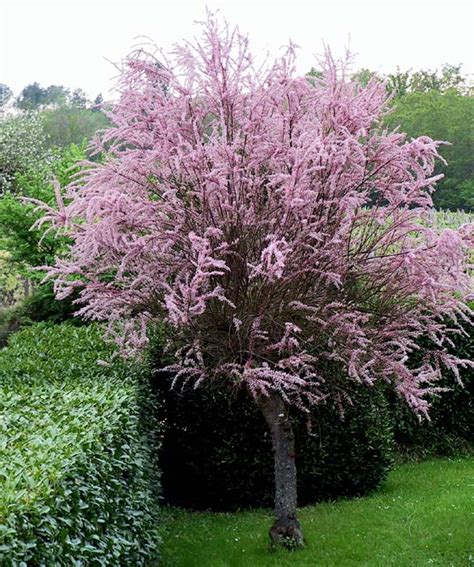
pixel 286 530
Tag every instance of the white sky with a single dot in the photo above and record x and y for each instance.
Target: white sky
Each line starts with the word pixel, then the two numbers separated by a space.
pixel 68 42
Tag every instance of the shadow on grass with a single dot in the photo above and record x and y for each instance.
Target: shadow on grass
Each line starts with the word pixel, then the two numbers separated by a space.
pixel 421 516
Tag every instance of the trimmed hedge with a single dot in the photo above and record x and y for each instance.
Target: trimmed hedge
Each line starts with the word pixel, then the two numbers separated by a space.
pixel 217 453
pixel 77 477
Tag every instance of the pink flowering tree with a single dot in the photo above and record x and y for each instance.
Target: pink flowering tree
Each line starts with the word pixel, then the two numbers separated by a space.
pixel 274 225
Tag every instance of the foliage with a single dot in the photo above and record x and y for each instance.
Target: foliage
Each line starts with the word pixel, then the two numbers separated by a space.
pixel 41 305
pixel 98 101
pixel 24 299
pixel 37 305
pixel 11 289
pixel 22 148
pixel 450 430
pixel 421 516
pixel 71 125
pixel 35 247
pixel 11 320
pixel 76 464
pixel 448 78
pixel 436 103
pixel 29 248
pixel 79 98
pixel 443 117
pixel 221 444
pixel 364 76
pixel 36 97
pixel 451 219
pixel 32 97
pixel 234 204
pixel 56 95
pixel 5 95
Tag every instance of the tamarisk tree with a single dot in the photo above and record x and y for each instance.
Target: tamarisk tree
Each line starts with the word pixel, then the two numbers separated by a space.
pixel 274 226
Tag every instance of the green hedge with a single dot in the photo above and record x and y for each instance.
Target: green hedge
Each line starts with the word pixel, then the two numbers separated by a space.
pixel 77 477
pixel 217 452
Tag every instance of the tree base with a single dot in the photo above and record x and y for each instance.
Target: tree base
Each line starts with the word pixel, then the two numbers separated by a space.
pixel 286 532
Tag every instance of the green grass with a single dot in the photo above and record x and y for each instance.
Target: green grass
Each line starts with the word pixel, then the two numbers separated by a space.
pixel 424 515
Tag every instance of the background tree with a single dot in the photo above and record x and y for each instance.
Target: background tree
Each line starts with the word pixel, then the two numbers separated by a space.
pixel 29 248
pixel 22 147
pixel 5 95
pixel 234 205
pixel 449 77
pixel 79 98
pixel 32 97
pixel 21 248
pixel 440 104
pixel 35 97
pixel 10 284
pixel 98 101
pixel 444 116
pixel 57 95
pixel 55 119
pixel 398 83
pixel 71 125
pixel 363 77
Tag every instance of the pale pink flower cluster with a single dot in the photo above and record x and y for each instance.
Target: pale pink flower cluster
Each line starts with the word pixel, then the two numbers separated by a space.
pixel 270 220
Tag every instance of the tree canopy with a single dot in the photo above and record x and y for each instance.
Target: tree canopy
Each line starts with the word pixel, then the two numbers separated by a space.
pixel 444 116
pixel 440 104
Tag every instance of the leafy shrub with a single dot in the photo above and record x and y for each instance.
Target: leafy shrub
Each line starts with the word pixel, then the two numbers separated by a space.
pixel 11 288
pixel 41 305
pixel 35 247
pixel 214 455
pixel 26 248
pixel 78 486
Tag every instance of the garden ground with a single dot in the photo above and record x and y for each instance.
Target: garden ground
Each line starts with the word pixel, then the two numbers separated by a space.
pixel 423 515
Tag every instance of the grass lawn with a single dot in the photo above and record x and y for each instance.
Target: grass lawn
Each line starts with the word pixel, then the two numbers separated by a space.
pixel 423 515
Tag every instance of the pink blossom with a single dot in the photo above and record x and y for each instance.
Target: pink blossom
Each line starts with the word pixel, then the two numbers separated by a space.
pixel 270 221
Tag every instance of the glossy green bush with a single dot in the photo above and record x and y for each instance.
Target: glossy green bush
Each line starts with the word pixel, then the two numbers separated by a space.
pixel 77 477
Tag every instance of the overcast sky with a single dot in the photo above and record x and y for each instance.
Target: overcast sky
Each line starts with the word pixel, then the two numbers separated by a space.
pixel 71 42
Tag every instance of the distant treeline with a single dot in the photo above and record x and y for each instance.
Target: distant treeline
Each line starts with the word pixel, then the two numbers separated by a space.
pixel 36 97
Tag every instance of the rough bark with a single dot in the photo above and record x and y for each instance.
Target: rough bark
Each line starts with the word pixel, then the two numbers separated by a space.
pixel 286 530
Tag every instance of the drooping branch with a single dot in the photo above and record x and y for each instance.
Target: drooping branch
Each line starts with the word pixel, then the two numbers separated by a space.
pixel 266 218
